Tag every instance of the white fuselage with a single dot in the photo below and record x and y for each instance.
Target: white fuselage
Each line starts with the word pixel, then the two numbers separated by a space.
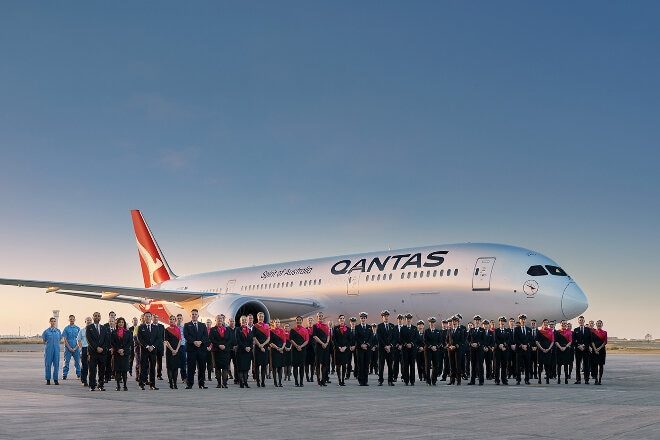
pixel 473 278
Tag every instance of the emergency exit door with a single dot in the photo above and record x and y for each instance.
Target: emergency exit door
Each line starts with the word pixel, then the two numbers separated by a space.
pixel 482 272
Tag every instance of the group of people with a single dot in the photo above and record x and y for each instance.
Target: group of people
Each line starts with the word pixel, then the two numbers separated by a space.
pixel 482 350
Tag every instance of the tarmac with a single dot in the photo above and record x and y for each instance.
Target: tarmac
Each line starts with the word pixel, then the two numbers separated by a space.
pixel 627 405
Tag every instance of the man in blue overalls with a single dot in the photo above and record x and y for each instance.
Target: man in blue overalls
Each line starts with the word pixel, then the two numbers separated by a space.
pixel 71 349
pixel 51 337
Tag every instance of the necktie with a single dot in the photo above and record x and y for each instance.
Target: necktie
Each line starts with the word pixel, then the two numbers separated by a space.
pixel 97 329
pixel 523 331
pixel 149 327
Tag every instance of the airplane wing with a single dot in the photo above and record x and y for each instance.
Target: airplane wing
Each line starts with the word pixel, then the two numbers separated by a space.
pixel 289 307
pixel 111 293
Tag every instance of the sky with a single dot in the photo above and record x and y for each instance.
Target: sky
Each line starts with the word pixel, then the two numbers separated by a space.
pixel 259 132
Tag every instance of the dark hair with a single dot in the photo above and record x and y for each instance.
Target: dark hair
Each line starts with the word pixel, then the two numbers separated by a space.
pixel 122 320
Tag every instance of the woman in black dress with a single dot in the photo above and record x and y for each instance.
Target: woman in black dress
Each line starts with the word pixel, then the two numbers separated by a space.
pixel 261 339
pixel 287 352
pixel 545 338
pixel 563 342
pixel 598 343
pixel 120 340
pixel 342 339
pixel 172 346
pixel 299 338
pixel 243 351
pixel 221 340
pixel 277 352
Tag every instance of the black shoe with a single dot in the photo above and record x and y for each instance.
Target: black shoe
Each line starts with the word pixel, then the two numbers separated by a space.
pixel 577 382
pixel 141 387
pixel 153 387
pixel 125 388
pixel 189 387
pixel 47 381
pixel 203 387
pixel 380 384
pixel 101 389
pixel 517 382
pixel 63 377
pixel 160 378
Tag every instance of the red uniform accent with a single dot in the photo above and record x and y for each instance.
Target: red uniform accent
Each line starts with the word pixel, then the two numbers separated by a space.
pixel 175 330
pixel 323 327
pixel 263 328
pixel 302 331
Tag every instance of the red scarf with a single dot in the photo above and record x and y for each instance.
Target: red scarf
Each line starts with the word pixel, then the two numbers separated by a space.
pixel 246 331
pixel 175 330
pixel 324 327
pixel 302 331
pixel 568 335
pixel 280 332
pixel 263 328
pixel 120 332
pixel 342 329
pixel 548 333
pixel 221 330
pixel 602 335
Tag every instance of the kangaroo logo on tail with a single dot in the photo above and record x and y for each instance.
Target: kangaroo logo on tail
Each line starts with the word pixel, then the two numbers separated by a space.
pixel 154 267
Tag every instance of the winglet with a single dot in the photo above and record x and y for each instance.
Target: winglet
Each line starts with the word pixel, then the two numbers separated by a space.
pixel 155 269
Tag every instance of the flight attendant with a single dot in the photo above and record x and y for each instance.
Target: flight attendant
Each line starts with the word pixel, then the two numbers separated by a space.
pixel 299 340
pixel 220 339
pixel 311 352
pixel 343 340
pixel 120 341
pixel 598 343
pixel 321 337
pixel 51 337
pixel 243 352
pixel 287 352
pixel 172 349
pixel 261 339
pixel 545 339
pixel 277 352
pixel 563 341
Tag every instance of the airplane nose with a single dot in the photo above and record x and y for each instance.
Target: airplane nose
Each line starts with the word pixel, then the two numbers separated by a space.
pixel 573 302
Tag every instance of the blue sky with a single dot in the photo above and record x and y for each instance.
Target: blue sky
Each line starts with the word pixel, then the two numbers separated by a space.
pixel 257 132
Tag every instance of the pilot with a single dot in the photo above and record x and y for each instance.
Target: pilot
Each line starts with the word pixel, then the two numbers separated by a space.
pixel 373 365
pixel 407 340
pixel 387 337
pixel 513 365
pixel 476 341
pixel 456 338
pixel 397 355
pixel 502 348
pixel 432 344
pixel 363 337
pixel 419 344
pixel 534 364
pixel 522 339
pixel 488 345
pixel 445 355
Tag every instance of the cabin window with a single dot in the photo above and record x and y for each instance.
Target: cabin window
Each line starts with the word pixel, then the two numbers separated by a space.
pixel 442 272
pixel 402 275
pixel 455 272
pixel 408 274
pixel 435 273
pixel 390 277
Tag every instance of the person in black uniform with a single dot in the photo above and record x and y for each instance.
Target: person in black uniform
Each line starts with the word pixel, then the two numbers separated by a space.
pixel 545 339
pixel 396 354
pixel 386 335
pixel 533 359
pixel 343 339
pixel 373 364
pixel 352 322
pixel 277 352
pixel 310 366
pixel 432 353
pixel 160 346
pixel 321 337
pixel 243 352
pixel 363 337
pixel 513 365
pixel 120 341
pixel 420 352
pixel 407 340
pixel 475 342
pixel 522 338
pixel 488 345
pixel 444 328
pixel 502 343
pixel 299 340
pixel 172 347
pixel 98 340
pixel 598 343
pixel 133 331
pixel 563 340
pixel 220 338
pixel 261 339
pixel 581 344
pixel 197 342
pixel 147 340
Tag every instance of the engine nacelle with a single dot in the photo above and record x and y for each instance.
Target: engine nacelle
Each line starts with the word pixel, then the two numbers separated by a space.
pixel 235 306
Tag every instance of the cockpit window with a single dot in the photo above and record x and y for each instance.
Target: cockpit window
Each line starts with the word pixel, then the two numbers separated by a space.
pixel 536 271
pixel 554 270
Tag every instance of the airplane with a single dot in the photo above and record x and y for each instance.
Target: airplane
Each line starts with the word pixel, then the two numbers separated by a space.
pixel 441 280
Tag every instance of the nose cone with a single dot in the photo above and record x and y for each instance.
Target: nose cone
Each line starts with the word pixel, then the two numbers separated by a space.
pixel 573 301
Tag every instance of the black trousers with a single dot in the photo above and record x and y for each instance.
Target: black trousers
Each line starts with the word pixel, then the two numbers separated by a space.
pixel 96 363
pixel 385 358
pixel 477 364
pixel 148 367
pixel 362 365
pixel 501 365
pixel 408 358
pixel 582 363
pixel 523 359
pixel 196 359
pixel 432 365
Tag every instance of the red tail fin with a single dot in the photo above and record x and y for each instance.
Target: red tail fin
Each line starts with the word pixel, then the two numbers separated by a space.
pixel 154 267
